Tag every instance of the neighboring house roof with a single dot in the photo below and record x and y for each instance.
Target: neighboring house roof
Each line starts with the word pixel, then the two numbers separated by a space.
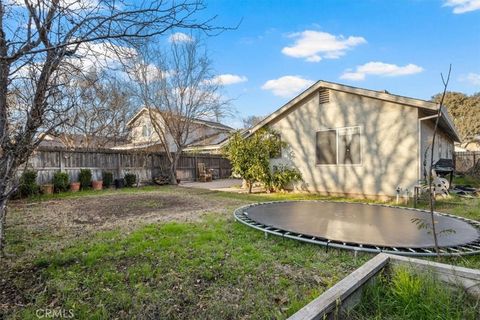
pixel 138 146
pixel 427 106
pixel 208 123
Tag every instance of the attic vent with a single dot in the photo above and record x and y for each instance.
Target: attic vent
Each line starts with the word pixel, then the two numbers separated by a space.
pixel 323 96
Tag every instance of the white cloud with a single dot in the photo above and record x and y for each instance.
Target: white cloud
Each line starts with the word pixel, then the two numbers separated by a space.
pixel 380 69
pixel 472 78
pixel 101 55
pixel 463 6
pixel 180 37
pixel 227 79
pixel 313 46
pixel 287 86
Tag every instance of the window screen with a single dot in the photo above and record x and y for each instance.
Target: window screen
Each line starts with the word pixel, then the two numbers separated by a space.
pixel 327 147
pixel 349 146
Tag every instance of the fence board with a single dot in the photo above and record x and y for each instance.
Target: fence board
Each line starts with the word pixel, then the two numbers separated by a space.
pixel 47 161
pixel 464 161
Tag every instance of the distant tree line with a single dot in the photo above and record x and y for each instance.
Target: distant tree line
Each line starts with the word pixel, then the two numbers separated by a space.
pixel 465 110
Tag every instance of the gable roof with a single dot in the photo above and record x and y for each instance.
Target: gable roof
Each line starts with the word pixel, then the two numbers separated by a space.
pixel 212 124
pixel 428 106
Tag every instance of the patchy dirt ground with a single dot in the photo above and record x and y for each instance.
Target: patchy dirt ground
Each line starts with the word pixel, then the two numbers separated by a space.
pixel 74 218
pixel 34 227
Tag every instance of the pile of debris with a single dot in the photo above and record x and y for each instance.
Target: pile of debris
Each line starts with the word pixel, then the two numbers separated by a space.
pixel 466 191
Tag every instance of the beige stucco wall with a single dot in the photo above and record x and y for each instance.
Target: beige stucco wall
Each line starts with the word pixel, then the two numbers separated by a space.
pixel 444 145
pixel 389 144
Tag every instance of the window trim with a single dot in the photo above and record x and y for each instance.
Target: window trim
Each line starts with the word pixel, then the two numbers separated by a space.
pixel 360 128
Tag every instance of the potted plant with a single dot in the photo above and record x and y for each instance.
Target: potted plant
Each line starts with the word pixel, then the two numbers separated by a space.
pixel 75 186
pixel 47 188
pixel 130 179
pixel 85 178
pixel 97 184
pixel 60 181
pixel 107 178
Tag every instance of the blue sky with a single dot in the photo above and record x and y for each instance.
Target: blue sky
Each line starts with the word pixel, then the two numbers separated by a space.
pixel 402 46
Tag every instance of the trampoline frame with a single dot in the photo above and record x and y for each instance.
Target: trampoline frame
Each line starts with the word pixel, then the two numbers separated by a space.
pixel 459 250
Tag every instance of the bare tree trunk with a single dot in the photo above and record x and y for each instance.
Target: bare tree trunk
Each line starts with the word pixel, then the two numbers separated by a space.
pixel 173 167
pixel 3 220
pixel 173 171
pixel 430 178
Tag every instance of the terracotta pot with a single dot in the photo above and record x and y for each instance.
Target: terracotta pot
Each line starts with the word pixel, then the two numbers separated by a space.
pixel 178 181
pixel 97 184
pixel 74 186
pixel 47 189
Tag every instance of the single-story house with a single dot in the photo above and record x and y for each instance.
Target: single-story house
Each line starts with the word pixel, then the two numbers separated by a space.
pixel 358 142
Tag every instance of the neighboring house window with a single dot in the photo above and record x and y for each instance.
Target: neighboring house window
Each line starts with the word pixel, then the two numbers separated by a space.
pixel 340 146
pixel 146 131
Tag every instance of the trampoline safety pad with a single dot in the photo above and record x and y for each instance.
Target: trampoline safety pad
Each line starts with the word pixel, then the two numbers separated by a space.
pixel 364 227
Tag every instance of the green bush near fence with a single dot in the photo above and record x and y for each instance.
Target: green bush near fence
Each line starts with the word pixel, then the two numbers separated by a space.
pixel 61 181
pixel 28 184
pixel 85 178
pixel 107 178
pixel 130 179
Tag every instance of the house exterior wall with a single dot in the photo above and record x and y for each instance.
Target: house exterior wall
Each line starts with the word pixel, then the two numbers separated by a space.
pixel 136 130
pixel 444 145
pixel 198 131
pixel 389 144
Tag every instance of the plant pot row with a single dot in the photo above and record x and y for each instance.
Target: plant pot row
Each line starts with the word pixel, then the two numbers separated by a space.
pixel 74 187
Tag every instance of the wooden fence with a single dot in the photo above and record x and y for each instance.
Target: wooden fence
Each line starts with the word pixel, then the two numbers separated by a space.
pixel 47 161
pixel 466 160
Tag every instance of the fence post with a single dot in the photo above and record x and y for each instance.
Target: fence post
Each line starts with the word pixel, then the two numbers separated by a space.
pixel 119 166
pixel 62 161
pixel 195 168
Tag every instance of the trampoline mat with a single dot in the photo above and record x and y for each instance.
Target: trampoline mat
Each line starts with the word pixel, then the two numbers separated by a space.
pixel 362 224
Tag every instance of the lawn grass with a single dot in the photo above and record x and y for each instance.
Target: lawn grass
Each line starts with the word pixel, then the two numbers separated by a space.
pixel 467 180
pixel 403 293
pixel 210 268
pixel 213 269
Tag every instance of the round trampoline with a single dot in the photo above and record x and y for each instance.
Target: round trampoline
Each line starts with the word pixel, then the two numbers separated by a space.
pixel 363 227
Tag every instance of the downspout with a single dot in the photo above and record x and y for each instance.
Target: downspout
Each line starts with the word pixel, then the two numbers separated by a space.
pixel 420 143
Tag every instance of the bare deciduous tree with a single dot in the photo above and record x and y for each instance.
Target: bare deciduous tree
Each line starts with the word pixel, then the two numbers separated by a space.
pixel 251 121
pixel 177 88
pixel 39 39
pixel 102 105
pixel 431 189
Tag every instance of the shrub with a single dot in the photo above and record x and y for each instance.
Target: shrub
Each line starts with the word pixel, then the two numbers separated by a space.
pixel 281 176
pixel 107 178
pixel 130 179
pixel 85 178
pixel 28 184
pixel 250 157
pixel 60 181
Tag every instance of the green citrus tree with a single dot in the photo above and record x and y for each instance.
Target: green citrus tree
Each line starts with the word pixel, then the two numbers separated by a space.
pixel 250 156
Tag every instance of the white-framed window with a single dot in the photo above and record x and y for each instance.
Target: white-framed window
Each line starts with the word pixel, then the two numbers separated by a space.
pixel 146 131
pixel 340 146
